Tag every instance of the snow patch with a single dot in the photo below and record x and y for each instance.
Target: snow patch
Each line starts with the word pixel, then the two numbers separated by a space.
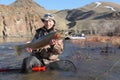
pixel 109 7
pixel 97 4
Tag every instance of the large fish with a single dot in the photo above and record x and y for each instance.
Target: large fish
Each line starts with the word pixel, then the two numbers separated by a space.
pixel 37 44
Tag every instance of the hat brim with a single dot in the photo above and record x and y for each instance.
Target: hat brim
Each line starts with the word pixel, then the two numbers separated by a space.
pixel 42 20
pixel 47 20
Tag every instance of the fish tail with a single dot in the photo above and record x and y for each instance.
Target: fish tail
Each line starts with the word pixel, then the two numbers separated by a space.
pixel 18 50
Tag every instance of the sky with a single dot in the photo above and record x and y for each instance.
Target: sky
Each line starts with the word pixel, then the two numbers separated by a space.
pixel 61 4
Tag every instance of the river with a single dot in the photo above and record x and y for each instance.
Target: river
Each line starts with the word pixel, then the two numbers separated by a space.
pixel 91 64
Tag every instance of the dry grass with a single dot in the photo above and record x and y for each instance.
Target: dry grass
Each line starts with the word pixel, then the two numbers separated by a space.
pixel 115 41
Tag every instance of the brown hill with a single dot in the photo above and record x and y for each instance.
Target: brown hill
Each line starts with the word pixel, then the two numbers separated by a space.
pixel 100 7
pixel 28 5
pixel 90 18
pixel 22 18
pixel 18 20
pixel 101 10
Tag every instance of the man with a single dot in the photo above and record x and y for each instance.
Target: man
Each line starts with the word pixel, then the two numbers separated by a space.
pixel 49 53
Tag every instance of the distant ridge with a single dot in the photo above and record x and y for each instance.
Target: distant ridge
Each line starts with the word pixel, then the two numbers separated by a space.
pixel 23 17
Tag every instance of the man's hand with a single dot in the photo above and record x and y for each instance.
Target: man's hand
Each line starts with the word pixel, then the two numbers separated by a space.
pixel 53 42
pixel 28 50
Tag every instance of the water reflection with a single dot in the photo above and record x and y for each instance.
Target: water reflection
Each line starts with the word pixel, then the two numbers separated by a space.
pixel 91 65
pixel 50 75
pixel 14 39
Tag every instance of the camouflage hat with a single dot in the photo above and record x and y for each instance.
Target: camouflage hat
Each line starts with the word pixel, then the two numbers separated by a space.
pixel 48 16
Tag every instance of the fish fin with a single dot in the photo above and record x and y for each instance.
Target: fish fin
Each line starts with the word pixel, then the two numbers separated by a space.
pixel 18 50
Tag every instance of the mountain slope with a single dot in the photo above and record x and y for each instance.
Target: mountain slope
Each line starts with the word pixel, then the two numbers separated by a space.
pixel 100 7
pixel 96 10
pixel 28 5
pixel 90 18
pixel 23 17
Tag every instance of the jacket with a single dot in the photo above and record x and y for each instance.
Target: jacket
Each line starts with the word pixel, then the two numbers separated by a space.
pixel 48 50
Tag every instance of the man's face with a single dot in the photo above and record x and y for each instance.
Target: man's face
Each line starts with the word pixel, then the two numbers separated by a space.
pixel 49 24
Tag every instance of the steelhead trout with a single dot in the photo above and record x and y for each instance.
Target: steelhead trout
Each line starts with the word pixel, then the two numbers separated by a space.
pixel 37 44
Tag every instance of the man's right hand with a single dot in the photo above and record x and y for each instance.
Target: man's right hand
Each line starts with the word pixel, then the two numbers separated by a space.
pixel 28 50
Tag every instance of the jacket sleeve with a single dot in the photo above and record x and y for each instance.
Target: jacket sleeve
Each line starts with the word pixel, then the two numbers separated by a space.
pixel 58 47
pixel 37 35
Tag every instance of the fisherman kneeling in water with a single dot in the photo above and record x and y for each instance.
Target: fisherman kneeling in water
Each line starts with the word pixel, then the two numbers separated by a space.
pixel 49 53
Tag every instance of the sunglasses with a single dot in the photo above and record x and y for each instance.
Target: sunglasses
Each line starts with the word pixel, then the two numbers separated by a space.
pixel 46 15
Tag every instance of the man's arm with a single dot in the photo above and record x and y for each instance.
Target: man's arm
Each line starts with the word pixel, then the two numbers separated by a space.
pixel 57 47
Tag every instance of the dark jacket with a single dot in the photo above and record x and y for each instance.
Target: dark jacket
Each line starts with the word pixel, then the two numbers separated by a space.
pixel 42 31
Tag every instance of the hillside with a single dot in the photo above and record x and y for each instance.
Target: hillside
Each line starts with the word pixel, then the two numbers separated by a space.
pixel 90 18
pixel 100 7
pixel 23 17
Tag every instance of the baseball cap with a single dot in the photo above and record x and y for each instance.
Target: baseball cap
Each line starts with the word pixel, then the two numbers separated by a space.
pixel 48 16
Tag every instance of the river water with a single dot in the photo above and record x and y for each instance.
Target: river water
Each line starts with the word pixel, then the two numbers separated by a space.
pixel 90 61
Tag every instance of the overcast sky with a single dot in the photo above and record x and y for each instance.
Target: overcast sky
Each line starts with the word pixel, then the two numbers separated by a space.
pixel 61 4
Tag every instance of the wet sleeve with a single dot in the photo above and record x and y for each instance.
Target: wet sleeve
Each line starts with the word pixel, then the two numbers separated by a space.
pixel 35 37
pixel 58 47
